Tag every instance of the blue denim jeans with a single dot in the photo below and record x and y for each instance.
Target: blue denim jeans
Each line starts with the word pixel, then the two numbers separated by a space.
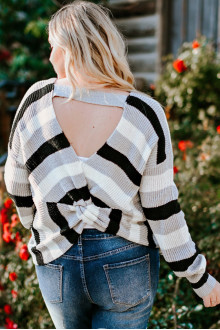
pixel 102 282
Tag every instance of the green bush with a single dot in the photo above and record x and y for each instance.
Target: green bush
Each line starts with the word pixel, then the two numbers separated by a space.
pixel 189 91
pixel 21 302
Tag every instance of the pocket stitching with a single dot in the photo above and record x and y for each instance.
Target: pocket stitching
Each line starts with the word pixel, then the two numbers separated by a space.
pixel 122 264
pixel 127 262
pixel 60 268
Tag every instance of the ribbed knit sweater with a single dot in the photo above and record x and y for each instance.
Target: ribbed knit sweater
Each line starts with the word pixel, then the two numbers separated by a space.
pixel 126 188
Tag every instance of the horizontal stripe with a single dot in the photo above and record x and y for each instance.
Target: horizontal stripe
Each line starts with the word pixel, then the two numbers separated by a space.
pixel 157 182
pixel 174 239
pixel 162 212
pixel 183 264
pixel 201 281
pixel 22 201
pixel 55 176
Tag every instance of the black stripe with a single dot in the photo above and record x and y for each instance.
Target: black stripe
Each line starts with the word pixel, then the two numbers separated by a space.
pixel 38 255
pixel 22 201
pixel 36 235
pixel 75 195
pixel 150 235
pixel 202 281
pixel 147 111
pixel 116 157
pixel 69 233
pixel 36 95
pixel 162 212
pixel 183 265
pixel 49 147
pixel 114 223
pixel 98 202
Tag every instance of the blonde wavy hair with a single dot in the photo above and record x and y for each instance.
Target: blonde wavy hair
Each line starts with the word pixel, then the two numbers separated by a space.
pixel 93 45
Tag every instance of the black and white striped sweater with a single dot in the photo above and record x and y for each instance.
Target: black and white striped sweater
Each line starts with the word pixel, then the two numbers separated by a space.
pixel 126 188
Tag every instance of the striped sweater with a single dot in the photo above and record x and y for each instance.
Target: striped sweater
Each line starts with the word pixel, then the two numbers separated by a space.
pixel 126 188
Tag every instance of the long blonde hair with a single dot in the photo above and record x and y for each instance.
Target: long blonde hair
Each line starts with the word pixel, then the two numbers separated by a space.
pixel 93 45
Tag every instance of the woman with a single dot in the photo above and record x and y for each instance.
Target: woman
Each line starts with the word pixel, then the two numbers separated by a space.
pixel 92 178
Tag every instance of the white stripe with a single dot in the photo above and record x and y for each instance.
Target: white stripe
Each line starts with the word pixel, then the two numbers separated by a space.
pixel 157 182
pixel 103 181
pixel 135 136
pixel 53 247
pixel 35 122
pixel 55 176
pixel 25 220
pixel 197 267
pixel 174 239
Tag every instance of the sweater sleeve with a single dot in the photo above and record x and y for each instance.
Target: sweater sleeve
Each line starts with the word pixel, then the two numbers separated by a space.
pixel 165 220
pixel 15 172
pixel 18 188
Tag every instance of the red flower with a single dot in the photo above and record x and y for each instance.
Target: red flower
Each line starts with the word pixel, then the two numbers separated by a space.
pixel 7 237
pixel 182 145
pixel 24 254
pixel 18 237
pixel 8 203
pixel 10 324
pixel 1 287
pixel 13 276
pixel 7 227
pixel 152 86
pixel 179 65
pixel 3 215
pixel 195 44
pixel 14 219
pixel 175 170
pixel 218 129
pixel 6 232
pixel 14 293
pixel 7 309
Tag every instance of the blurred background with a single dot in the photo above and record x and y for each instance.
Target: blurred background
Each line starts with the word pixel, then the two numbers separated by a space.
pixel 173 51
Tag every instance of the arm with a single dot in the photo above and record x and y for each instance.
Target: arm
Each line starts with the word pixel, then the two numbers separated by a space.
pixel 167 224
pixel 18 188
pixel 15 171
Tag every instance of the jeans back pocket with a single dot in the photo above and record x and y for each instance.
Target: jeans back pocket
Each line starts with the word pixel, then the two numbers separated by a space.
pixel 129 281
pixel 50 278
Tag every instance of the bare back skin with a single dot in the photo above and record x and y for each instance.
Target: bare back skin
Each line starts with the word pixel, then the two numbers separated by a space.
pixel 87 126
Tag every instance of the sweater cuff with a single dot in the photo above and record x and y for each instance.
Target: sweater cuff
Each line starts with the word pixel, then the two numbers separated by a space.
pixel 205 285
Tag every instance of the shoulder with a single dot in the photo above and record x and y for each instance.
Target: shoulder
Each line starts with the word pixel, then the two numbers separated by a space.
pixel 149 107
pixel 32 91
pixel 148 101
pixel 40 84
pixel 31 96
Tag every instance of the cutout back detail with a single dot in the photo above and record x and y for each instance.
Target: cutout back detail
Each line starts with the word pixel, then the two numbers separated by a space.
pixel 89 121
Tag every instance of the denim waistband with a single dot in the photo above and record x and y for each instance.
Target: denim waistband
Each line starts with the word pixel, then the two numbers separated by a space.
pixel 92 232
